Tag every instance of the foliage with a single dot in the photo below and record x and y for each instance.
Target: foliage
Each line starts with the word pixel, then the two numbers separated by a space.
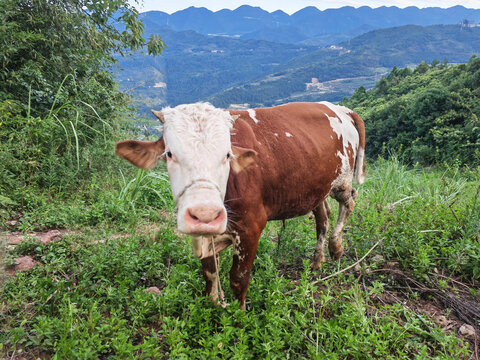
pixel 87 297
pixel 227 71
pixel 42 42
pixel 196 66
pixel 429 219
pixel 60 109
pixel 429 115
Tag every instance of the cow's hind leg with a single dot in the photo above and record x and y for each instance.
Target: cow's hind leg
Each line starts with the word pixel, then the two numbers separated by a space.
pixel 345 195
pixel 322 216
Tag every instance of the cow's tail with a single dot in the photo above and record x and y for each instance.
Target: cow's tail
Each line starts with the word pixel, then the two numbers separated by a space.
pixel 360 161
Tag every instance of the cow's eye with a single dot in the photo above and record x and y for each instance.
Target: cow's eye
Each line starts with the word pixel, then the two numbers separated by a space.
pixel 228 155
pixel 169 154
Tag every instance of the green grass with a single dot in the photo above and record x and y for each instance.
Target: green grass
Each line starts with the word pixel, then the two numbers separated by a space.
pixel 87 300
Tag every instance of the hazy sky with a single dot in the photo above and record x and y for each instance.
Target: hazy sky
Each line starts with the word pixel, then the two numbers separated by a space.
pixel 290 6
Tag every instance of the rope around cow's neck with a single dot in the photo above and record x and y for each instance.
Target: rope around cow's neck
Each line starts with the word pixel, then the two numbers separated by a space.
pixel 221 297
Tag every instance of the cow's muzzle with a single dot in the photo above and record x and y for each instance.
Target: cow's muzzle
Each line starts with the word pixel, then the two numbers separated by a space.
pixel 201 209
pixel 205 219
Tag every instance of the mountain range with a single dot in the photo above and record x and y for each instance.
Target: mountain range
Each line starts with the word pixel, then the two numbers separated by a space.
pixel 255 23
pixel 259 58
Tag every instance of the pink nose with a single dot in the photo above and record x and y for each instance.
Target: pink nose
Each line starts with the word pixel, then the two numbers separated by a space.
pixel 205 219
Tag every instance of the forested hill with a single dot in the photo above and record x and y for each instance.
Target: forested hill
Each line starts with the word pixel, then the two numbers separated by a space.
pixel 412 42
pixel 334 72
pixel 226 71
pixel 195 66
pixel 429 115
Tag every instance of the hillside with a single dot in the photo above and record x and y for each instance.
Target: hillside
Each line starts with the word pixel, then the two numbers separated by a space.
pixel 194 67
pixel 227 71
pixel 427 116
pixel 335 72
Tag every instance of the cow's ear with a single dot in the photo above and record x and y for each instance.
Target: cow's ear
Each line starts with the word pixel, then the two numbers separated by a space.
pixel 158 115
pixel 142 154
pixel 242 158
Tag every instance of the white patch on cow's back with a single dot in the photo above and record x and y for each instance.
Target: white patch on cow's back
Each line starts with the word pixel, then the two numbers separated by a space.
pixel 287 134
pixel 253 115
pixel 344 126
pixel 275 134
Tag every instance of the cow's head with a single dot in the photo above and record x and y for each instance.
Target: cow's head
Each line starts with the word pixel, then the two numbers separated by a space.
pixel 197 149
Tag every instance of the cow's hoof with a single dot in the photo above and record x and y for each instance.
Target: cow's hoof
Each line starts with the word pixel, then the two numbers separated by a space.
pixel 222 304
pixel 337 254
pixel 316 264
pixel 318 259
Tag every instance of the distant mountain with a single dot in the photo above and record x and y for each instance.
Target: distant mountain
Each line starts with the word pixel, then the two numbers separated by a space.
pixel 282 34
pixel 309 22
pixel 334 39
pixel 227 71
pixel 196 66
pixel 335 72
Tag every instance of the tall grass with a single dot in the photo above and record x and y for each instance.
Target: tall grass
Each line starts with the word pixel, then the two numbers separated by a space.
pixel 429 218
pixel 65 160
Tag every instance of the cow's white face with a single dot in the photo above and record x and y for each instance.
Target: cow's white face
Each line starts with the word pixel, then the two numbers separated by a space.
pixel 196 146
pixel 198 154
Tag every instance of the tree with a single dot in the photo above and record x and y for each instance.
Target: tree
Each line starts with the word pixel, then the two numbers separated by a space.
pixel 422 68
pixel 59 103
pixel 44 41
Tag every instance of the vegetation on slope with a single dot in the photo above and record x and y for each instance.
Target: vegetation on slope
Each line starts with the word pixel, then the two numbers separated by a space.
pixel 429 115
pixel 87 298
pixel 60 108
pixel 362 58
pixel 194 67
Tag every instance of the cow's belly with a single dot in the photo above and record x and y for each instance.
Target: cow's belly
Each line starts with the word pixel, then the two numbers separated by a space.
pixel 292 212
pixel 296 201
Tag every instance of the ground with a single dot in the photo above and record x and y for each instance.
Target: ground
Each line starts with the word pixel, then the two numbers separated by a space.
pixel 397 290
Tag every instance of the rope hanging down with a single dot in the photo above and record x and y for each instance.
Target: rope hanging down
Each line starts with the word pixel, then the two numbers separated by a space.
pixel 221 298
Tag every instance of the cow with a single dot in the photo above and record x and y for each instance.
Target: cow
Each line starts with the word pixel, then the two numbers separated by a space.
pixel 231 171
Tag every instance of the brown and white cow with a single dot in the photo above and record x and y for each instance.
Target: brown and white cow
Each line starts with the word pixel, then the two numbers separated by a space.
pixel 231 171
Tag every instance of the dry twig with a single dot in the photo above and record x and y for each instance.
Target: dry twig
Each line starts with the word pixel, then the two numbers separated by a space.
pixel 343 270
pixel 351 266
pixel 301 332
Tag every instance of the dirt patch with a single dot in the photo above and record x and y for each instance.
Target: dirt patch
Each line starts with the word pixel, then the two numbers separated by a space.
pixel 154 290
pixel 22 264
pixel 10 240
pixel 44 237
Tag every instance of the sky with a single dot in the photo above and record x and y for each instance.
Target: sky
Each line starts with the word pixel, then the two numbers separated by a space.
pixel 290 6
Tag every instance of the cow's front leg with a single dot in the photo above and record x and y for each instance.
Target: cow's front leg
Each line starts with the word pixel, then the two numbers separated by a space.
pixel 210 275
pixel 244 251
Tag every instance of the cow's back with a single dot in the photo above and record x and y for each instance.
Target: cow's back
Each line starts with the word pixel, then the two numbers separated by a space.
pixel 300 154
